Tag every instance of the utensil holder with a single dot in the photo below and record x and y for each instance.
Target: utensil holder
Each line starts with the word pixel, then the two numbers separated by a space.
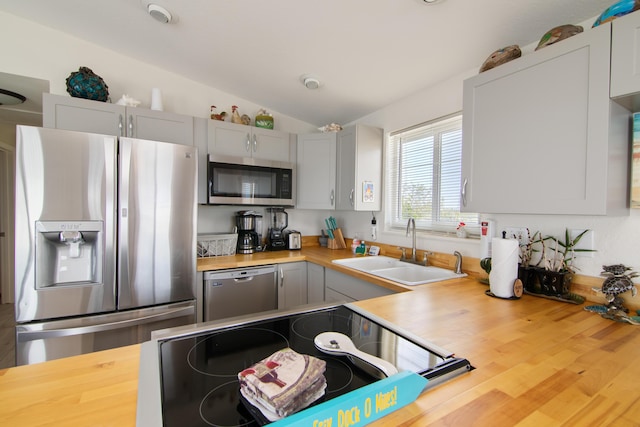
pixel 338 240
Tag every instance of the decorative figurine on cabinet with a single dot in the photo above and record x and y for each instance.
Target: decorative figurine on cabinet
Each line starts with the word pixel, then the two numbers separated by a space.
pixel 216 116
pixel 235 116
pixel 618 281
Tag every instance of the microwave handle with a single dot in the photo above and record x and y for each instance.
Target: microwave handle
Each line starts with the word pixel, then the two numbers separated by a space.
pixel 248 144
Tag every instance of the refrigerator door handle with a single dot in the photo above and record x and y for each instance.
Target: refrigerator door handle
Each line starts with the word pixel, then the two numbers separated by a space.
pixel 25 336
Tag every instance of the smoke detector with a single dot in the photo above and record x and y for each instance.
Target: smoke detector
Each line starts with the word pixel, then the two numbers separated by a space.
pixel 159 13
pixel 310 82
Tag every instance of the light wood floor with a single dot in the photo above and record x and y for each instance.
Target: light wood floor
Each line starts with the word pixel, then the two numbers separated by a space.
pixel 7 336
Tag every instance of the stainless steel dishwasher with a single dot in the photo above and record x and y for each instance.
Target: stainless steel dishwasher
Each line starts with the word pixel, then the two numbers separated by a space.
pixel 239 291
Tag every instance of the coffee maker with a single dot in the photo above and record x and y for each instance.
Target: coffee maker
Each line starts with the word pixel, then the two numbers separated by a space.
pixel 278 221
pixel 248 239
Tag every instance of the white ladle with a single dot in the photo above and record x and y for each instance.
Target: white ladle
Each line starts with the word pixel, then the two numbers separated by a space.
pixel 341 345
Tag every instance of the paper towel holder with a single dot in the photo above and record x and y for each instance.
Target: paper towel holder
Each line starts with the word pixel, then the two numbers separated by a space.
pixel 518 290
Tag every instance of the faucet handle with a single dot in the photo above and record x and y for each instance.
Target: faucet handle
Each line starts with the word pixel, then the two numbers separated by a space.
pixel 425 257
pixel 404 253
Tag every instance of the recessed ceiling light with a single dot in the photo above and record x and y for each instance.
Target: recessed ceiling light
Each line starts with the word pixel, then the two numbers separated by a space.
pixel 159 13
pixel 10 98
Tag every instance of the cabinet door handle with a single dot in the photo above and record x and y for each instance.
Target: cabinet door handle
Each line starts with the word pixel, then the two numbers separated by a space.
pixel 281 278
pixel 332 197
pixel 120 125
pixel 351 197
pixel 248 144
pixel 255 143
pixel 463 192
pixel 130 125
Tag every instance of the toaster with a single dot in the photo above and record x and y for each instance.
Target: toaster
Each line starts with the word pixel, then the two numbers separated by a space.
pixel 294 240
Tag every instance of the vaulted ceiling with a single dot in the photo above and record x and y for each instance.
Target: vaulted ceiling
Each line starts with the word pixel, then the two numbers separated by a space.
pixel 365 53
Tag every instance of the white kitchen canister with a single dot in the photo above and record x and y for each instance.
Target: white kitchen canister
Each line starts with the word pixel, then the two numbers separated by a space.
pixel 156 99
pixel 504 267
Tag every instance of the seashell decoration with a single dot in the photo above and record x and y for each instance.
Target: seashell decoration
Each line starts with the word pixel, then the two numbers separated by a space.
pixel 501 56
pixel 557 34
pixel 333 127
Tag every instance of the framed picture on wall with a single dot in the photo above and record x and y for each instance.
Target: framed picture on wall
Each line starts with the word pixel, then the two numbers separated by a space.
pixel 635 162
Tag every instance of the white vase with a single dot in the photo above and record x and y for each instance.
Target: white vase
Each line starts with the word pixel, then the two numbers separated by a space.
pixel 156 99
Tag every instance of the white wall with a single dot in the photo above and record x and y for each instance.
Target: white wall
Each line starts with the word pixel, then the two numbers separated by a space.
pixel 33 50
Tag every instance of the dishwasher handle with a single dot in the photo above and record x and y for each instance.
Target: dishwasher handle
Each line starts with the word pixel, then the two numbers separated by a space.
pixel 238 273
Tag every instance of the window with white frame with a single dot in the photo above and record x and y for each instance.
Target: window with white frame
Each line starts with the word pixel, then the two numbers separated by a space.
pixel 423 171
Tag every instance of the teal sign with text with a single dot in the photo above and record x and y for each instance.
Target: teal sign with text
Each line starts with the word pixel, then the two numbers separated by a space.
pixel 360 407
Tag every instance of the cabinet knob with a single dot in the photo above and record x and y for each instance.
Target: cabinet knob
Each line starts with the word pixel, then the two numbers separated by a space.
pixel 130 126
pixel 120 126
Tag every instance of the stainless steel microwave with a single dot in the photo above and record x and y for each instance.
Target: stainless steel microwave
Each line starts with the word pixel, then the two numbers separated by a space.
pixel 249 181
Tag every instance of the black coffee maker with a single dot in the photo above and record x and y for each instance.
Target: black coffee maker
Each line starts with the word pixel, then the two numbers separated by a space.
pixel 278 221
pixel 248 238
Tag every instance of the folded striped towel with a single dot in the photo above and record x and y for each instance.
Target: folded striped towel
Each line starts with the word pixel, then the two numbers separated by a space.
pixel 283 383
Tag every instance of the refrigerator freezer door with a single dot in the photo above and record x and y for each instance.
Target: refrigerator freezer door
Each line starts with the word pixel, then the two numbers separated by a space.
pixel 64 223
pixel 157 215
pixel 41 341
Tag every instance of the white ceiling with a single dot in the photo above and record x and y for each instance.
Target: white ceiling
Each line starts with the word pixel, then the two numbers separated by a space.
pixel 367 53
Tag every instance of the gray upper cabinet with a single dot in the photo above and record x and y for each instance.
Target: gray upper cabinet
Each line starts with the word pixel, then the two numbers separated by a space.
pixel 540 133
pixel 625 58
pixel 316 171
pixel 231 139
pixel 359 168
pixel 83 115
pixel 340 170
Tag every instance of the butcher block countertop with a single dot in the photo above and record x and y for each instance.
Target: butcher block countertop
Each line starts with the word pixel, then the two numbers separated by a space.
pixel 537 362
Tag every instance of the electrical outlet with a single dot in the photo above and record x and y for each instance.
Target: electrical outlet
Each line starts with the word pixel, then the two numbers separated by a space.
pixel 586 242
pixel 518 233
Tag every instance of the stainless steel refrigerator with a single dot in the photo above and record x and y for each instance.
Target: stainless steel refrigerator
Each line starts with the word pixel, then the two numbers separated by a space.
pixel 105 241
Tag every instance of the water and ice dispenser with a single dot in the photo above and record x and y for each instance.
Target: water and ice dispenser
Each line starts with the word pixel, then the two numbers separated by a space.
pixel 69 253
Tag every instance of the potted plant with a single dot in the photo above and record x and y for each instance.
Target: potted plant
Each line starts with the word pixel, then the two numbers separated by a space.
pixel 557 263
pixel 527 272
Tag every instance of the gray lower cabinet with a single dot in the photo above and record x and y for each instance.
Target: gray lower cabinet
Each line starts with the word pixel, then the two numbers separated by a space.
pixel 315 283
pixel 292 284
pixel 341 287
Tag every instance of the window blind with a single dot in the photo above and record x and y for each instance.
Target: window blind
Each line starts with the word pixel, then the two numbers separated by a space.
pixel 424 167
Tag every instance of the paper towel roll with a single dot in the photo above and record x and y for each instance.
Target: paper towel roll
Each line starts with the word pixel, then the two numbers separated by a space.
pixel 504 267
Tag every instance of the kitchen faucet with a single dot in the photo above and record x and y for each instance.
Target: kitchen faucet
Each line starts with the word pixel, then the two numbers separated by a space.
pixel 458 267
pixel 411 225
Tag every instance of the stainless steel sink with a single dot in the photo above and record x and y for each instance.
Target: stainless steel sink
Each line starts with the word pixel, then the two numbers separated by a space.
pixel 398 271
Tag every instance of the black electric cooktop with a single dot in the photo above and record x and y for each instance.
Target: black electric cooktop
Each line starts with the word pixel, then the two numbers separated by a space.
pixel 198 381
